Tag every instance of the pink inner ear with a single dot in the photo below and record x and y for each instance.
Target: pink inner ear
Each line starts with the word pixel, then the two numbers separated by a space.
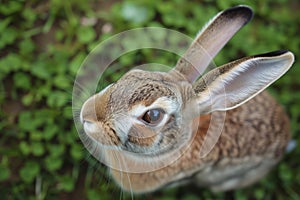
pixel 211 40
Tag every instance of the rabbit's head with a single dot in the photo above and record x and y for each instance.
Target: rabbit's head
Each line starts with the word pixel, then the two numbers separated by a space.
pixel 142 112
pixel 151 113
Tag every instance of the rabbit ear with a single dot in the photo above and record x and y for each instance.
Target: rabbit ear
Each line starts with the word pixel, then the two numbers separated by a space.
pixel 235 83
pixel 211 40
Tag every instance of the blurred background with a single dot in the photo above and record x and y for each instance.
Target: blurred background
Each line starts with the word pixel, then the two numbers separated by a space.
pixel 43 43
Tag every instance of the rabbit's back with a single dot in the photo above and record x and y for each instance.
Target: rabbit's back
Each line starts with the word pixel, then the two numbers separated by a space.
pixel 259 127
pixel 253 140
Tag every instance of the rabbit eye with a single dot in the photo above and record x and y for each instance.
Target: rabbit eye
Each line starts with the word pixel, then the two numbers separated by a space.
pixel 153 117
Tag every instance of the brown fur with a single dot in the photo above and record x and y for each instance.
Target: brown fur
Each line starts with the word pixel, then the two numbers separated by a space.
pixel 257 129
pixel 252 140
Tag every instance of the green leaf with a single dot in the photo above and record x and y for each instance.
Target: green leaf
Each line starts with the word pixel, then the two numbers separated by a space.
pixel 77 152
pixel 56 150
pixel 57 99
pixel 27 99
pixel 259 193
pixel 25 148
pixel 26 46
pixel 86 34
pixel 53 163
pixel 240 195
pixel 67 112
pixel 286 174
pixel 30 121
pixel 22 80
pixel 29 171
pixel 37 148
pixel 76 62
pixel 11 7
pixel 69 137
pixel 4 173
pixel 61 82
pixel 12 62
pixel 223 4
pixel 67 183
pixel 8 36
pixel 40 70
pixel 4 23
pixel 94 194
pixel 25 121
pixel 50 131
pixel 30 15
pixel 59 35
pixel 36 135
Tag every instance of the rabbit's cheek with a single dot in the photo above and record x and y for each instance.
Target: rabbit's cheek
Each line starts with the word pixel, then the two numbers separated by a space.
pixel 142 136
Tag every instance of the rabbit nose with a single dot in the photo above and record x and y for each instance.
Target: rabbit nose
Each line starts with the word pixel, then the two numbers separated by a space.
pixel 88 110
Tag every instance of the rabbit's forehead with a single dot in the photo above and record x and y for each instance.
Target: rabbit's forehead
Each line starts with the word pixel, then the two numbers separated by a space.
pixel 150 92
pixel 144 94
pixel 142 87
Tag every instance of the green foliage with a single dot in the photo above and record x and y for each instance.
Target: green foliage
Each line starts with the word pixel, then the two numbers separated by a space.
pixel 29 171
pixel 42 45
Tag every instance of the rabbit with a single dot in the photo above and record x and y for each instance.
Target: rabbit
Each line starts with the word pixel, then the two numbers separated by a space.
pixel 221 131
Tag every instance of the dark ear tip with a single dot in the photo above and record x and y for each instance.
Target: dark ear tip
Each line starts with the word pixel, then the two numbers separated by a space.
pixel 273 53
pixel 241 10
